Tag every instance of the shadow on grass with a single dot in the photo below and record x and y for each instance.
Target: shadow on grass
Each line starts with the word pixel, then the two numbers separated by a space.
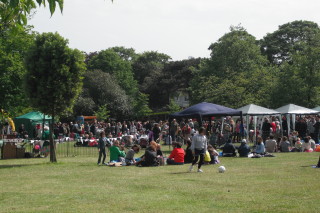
pixel 179 173
pixel 18 165
pixel 308 166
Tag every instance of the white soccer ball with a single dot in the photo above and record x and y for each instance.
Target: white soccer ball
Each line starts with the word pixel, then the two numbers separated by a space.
pixel 222 169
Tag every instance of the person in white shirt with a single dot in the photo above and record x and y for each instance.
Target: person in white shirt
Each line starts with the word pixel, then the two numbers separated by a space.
pixel 271 145
pixel 199 148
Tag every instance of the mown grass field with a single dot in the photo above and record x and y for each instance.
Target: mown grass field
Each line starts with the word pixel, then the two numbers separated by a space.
pixel 285 183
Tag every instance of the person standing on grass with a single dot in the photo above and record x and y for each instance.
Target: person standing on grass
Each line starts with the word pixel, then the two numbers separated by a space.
pixel 199 148
pixel 102 147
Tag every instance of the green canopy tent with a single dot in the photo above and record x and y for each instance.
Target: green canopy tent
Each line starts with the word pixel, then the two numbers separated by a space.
pixel 30 120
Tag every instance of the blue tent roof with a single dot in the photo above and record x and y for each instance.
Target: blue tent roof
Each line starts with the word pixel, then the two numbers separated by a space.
pixel 205 109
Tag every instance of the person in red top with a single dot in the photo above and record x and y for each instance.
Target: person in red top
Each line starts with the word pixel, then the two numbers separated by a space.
pixel 177 155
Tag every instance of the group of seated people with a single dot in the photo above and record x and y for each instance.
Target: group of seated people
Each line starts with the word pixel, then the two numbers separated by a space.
pixel 153 155
pixel 270 146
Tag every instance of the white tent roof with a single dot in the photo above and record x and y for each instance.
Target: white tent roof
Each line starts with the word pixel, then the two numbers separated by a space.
pixel 253 109
pixel 317 108
pixel 295 109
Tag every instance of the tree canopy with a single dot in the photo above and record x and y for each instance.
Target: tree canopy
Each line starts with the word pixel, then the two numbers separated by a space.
pixel 54 77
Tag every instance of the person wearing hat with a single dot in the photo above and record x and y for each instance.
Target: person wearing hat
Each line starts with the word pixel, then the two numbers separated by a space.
pixel 243 149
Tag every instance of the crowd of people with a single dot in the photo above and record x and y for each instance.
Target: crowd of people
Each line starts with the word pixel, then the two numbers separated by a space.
pixel 202 141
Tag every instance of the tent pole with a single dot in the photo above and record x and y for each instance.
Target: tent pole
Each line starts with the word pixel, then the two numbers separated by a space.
pixel 247 125
pixel 288 124
pixel 222 123
pixel 294 122
pixel 281 129
pixel 255 129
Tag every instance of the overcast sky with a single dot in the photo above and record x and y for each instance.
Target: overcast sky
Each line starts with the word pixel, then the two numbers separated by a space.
pixel 178 28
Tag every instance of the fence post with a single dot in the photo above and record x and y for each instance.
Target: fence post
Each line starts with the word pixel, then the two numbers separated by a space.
pixel 68 148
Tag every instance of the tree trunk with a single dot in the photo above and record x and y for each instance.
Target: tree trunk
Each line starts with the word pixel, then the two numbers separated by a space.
pixel 53 158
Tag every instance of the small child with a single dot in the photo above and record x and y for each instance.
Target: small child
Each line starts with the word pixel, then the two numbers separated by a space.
pixel 213 155
pixel 130 160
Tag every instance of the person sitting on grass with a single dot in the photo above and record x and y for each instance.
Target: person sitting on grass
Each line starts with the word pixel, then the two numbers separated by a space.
pixel 306 145
pixel 260 148
pixel 297 146
pixel 177 155
pixel 188 157
pixel 150 156
pixel 130 160
pixel 117 152
pixel 244 149
pixel 284 145
pixel 229 150
pixel 160 155
pixel 214 154
pixel 271 144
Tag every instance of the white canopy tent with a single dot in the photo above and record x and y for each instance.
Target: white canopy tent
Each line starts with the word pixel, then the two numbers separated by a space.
pixel 255 110
pixel 317 108
pixel 292 109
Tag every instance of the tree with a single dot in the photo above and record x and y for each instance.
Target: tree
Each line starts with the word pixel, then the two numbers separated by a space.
pixel 141 107
pixel 128 54
pixel 110 62
pixel 12 50
pixel 173 106
pixel 235 75
pixel 54 77
pixel 289 39
pixel 103 89
pixel 147 64
pixel 102 113
pixel 298 82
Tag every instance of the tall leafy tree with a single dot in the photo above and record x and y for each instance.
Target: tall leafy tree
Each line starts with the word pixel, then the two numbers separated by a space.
pixel 289 39
pixel 12 50
pixel 103 89
pixel 298 82
pixel 141 106
pixel 110 62
pixel 54 77
pixel 148 65
pixel 128 54
pixel 235 75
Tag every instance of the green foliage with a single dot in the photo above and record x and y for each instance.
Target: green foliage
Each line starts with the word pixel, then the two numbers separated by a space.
pixel 110 62
pixel 103 113
pixel 84 105
pixel 14 13
pixel 54 77
pixel 299 81
pixel 289 39
pixel 127 54
pixel 173 106
pixel 141 107
pixel 103 89
pixel 148 65
pixel 12 51
pixel 235 75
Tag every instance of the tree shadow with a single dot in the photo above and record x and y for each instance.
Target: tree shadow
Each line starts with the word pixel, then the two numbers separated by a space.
pixel 17 165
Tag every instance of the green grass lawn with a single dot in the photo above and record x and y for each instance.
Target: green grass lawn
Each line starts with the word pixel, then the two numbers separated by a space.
pixel 285 183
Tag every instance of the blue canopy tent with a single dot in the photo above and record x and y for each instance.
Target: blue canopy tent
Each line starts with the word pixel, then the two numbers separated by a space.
pixel 205 109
